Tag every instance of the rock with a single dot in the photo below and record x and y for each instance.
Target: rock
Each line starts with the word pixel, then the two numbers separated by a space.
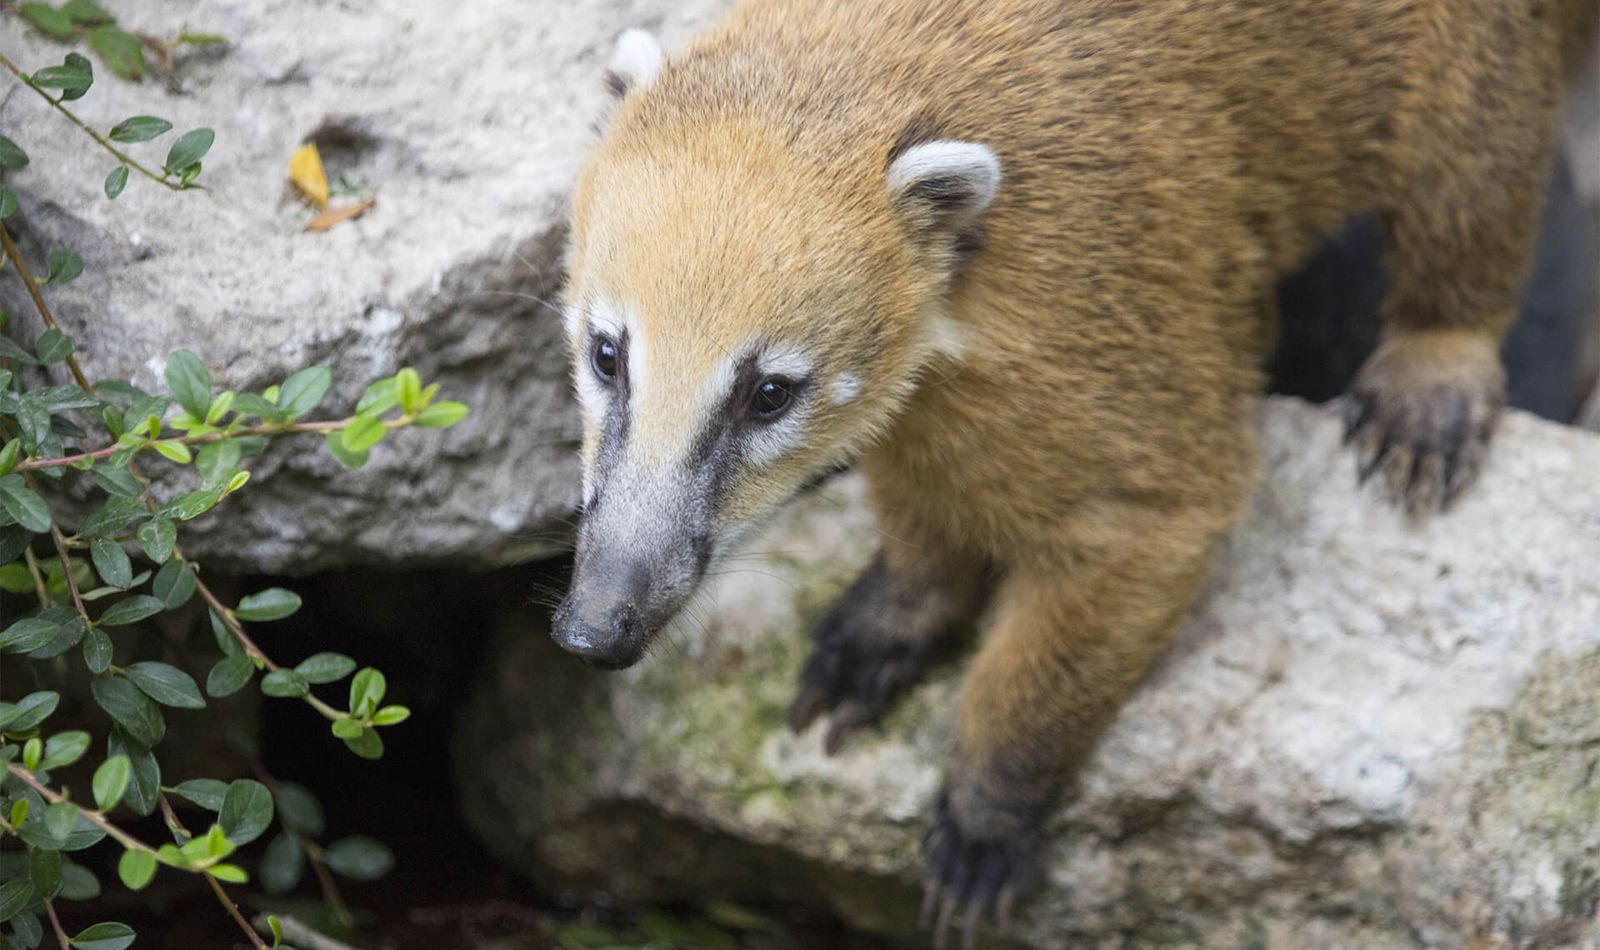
pixel 468 123
pixel 1370 733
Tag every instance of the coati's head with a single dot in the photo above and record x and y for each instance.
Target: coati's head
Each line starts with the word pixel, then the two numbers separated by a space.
pixel 748 305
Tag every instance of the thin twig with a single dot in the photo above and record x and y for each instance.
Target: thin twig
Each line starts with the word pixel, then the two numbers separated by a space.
pixel 33 291
pixel 96 818
pixel 105 143
pixel 313 851
pixel 66 568
pixel 55 924
pixel 39 586
pixel 233 910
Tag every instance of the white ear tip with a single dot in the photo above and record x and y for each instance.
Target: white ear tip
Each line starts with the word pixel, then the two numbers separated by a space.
pixel 973 165
pixel 638 58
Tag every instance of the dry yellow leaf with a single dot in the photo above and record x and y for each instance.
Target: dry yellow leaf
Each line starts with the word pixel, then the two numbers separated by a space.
pixel 305 170
pixel 328 219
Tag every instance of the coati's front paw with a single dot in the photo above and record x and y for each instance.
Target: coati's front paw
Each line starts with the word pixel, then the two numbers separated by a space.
pixel 974 875
pixel 1421 414
pixel 854 679
pixel 873 643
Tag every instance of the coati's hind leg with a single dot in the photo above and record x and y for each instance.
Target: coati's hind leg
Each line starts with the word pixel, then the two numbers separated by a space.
pixel 1068 643
pixel 875 640
pixel 1467 171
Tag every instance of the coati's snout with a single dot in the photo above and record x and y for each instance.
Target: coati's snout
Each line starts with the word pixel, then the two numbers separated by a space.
pixel 640 554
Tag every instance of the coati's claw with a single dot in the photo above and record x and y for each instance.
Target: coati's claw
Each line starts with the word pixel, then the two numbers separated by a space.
pixel 855 680
pixel 975 876
pixel 1421 422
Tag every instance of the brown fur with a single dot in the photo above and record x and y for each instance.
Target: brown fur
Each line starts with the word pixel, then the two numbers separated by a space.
pixel 1165 162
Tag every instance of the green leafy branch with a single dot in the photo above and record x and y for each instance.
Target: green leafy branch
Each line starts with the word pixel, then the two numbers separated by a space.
pixel 73 78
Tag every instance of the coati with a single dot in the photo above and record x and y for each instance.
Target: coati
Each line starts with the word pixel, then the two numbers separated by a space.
pixel 1017 260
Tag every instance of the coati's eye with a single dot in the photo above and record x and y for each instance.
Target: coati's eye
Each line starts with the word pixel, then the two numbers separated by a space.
pixel 772 397
pixel 604 358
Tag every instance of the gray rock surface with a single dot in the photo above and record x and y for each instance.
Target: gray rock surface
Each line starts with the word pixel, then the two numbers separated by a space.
pixel 1370 734
pixel 468 121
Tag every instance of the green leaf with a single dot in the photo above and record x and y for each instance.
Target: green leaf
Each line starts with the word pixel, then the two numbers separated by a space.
pixel 208 793
pixel 408 386
pixel 368 745
pixel 19 811
pixel 136 868
pixel 166 684
pixel 156 538
pixel 193 504
pixel 282 865
pixel 325 667
pixel 346 728
pixel 139 128
pixel 44 870
pixel 304 390
pixel 25 507
pixel 63 749
pixel 86 12
pixel 73 77
pixel 441 414
pixel 174 450
pixel 284 684
pixel 335 442
pixel 363 432
pixel 274 603
pixel 65 266
pixel 28 634
pixel 146 785
pixel 118 481
pixel 130 610
pixel 47 18
pixel 232 873
pixel 29 711
pixel 15 578
pixel 184 155
pixel 366 692
pixel 299 810
pixel 229 675
pixel 107 936
pixel 360 858
pixel 110 781
pixel 174 584
pixel 8 456
pixel 32 750
pixel 379 397
pixel 217 461
pixel 60 818
pixel 27 930
pixel 115 515
pixel 130 709
pixel 11 154
pixel 111 562
pixel 8 207
pixel 78 883
pixel 246 811
pixel 118 49
pixel 190 382
pixel 97 651
pixel 14 896
pixel 116 181
pixel 391 716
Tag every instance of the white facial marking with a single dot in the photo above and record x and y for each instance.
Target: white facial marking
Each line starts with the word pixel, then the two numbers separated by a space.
pixel 638 59
pixel 783 361
pixel 972 164
pixel 846 388
pixel 945 336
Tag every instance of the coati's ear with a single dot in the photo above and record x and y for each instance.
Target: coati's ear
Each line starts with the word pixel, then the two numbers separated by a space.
pixel 943 182
pixel 635 63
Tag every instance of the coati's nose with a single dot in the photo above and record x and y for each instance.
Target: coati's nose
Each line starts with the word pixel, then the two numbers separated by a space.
pixel 607 635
